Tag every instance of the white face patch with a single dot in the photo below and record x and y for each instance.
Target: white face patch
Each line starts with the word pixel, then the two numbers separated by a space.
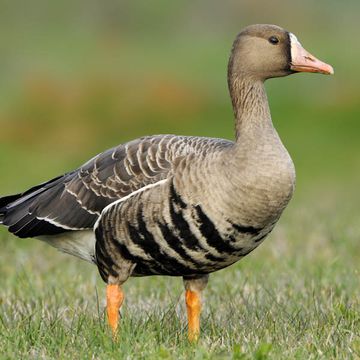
pixel 295 46
pixel 294 39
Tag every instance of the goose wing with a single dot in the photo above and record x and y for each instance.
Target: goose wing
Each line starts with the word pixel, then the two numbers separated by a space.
pixel 75 200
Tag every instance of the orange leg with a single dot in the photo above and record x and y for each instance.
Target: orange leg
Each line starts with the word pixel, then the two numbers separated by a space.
pixel 114 299
pixel 193 306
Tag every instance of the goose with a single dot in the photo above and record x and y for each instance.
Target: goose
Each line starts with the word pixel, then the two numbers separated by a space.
pixel 177 205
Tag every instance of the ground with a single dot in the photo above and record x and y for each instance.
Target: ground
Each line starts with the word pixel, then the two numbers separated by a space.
pixel 296 296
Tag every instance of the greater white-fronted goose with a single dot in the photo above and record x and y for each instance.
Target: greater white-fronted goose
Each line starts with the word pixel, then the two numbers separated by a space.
pixel 177 205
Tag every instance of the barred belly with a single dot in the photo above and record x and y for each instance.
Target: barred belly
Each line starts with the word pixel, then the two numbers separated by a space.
pixel 168 238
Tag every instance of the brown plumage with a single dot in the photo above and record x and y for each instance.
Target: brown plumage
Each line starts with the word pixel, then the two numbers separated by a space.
pixel 177 205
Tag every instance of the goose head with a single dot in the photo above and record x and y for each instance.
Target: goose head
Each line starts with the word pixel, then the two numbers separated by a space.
pixel 265 51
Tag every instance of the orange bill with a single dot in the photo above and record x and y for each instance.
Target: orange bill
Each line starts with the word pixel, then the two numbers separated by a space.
pixel 303 61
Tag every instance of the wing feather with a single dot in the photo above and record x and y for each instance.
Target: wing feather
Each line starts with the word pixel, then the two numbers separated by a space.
pixel 75 200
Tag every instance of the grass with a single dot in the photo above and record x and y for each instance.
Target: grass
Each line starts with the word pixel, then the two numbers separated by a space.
pixel 79 78
pixel 297 296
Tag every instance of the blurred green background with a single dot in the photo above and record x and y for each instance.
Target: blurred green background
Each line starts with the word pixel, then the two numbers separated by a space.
pixel 78 77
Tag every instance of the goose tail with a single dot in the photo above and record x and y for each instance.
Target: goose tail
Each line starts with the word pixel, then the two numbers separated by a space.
pixel 17 215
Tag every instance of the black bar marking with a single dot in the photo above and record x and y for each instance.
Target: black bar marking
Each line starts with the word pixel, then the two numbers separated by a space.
pixel 148 247
pixel 176 197
pixel 175 243
pixel 125 253
pixel 104 261
pixel 170 265
pixel 246 229
pixel 144 269
pixel 211 234
pixel 179 222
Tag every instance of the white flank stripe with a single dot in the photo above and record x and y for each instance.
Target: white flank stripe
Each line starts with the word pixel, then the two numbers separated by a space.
pixel 106 208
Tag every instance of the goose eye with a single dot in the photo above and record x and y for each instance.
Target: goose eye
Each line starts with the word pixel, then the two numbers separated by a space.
pixel 273 40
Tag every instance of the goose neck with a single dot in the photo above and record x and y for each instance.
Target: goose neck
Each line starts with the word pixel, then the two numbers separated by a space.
pixel 250 105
